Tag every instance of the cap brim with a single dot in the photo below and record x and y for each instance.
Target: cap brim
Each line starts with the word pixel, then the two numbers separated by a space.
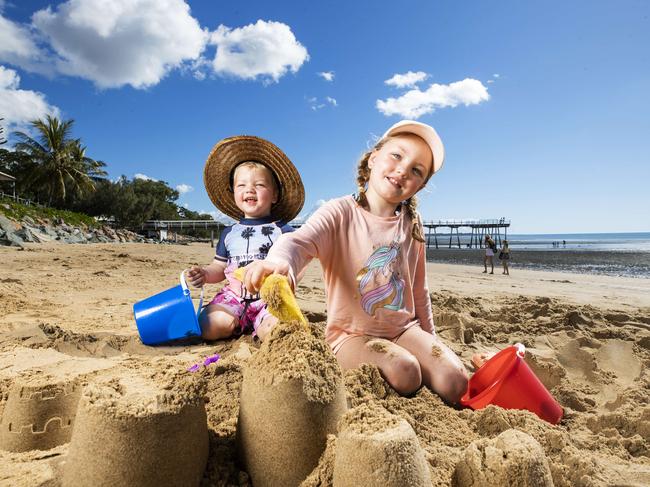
pixel 427 133
pixel 230 152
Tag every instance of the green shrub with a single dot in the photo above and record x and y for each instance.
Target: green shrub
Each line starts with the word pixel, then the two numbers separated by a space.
pixel 17 211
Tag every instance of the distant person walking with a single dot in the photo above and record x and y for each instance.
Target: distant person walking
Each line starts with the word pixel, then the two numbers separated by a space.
pixel 490 249
pixel 504 257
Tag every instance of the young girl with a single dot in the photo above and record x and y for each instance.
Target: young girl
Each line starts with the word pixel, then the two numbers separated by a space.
pixel 372 251
pixel 490 248
pixel 504 256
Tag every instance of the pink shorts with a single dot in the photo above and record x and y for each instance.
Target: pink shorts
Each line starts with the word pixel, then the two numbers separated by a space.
pixel 250 313
pixel 343 336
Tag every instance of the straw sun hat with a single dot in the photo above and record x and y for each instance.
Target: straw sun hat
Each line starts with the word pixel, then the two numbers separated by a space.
pixel 230 152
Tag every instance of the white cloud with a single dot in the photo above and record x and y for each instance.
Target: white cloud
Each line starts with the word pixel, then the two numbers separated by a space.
pixel 266 50
pixel 407 79
pixel 318 104
pixel 327 75
pixel 415 103
pixel 490 81
pixel 496 75
pixel 18 47
pixel 184 188
pixel 123 42
pixel 19 107
pixel 143 176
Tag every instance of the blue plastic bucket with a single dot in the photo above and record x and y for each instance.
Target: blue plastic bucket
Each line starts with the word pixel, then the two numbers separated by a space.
pixel 168 315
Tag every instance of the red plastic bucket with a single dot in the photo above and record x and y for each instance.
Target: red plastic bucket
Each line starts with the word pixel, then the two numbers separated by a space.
pixel 506 380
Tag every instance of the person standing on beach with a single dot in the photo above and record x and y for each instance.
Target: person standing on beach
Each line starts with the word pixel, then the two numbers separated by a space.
pixel 504 257
pixel 254 182
pixel 490 249
pixel 371 247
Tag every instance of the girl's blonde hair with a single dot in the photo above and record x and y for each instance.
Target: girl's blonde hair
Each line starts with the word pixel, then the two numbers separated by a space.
pixel 409 206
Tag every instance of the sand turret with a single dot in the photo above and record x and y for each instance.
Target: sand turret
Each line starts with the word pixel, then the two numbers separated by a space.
pixel 375 448
pixel 138 432
pixel 292 397
pixel 39 413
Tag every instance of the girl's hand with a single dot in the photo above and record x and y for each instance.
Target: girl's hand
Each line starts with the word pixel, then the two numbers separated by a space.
pixel 196 276
pixel 257 271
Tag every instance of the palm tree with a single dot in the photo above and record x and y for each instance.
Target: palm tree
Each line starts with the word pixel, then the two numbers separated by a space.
pixel 267 232
pixel 61 165
pixel 247 234
pixel 92 168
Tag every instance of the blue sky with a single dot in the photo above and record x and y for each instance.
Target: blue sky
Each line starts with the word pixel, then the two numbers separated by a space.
pixel 544 107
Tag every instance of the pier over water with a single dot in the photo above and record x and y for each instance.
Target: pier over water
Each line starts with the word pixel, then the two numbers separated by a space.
pixel 475 230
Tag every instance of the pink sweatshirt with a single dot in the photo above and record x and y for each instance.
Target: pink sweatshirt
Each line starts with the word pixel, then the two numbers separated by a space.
pixel 374 271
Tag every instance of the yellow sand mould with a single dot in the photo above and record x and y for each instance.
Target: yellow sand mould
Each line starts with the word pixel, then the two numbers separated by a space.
pixel 279 297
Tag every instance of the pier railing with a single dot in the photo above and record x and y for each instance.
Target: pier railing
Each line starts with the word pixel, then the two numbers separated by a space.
pixel 476 230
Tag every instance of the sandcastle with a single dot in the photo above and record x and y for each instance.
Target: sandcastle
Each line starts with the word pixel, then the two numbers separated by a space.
pixel 512 458
pixel 292 397
pixel 377 448
pixel 38 415
pixel 136 432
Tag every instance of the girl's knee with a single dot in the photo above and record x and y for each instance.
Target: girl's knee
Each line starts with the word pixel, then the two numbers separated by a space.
pixel 404 374
pixel 453 385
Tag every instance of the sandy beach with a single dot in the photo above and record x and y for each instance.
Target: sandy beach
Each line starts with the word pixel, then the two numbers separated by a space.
pixel 67 333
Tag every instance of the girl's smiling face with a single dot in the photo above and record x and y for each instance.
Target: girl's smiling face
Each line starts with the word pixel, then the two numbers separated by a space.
pixel 399 168
pixel 254 190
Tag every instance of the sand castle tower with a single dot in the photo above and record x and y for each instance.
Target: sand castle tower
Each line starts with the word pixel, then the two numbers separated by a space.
pixel 133 431
pixel 375 448
pixel 512 458
pixel 292 397
pixel 38 415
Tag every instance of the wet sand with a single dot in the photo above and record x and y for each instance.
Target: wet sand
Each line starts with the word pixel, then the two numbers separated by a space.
pixel 602 262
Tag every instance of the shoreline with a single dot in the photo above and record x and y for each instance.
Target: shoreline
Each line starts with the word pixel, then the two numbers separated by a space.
pixel 634 264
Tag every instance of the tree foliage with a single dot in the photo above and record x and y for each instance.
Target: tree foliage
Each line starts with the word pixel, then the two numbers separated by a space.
pixel 60 170
pixel 54 168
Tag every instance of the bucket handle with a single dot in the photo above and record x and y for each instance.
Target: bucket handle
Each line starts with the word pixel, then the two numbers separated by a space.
pixel 187 291
pixel 521 348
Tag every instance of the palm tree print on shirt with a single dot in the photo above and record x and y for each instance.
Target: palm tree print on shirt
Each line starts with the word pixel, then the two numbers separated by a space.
pixel 267 232
pixel 247 233
pixel 264 248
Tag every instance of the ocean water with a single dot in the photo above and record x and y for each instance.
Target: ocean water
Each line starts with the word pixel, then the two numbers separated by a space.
pixel 623 242
pixel 615 242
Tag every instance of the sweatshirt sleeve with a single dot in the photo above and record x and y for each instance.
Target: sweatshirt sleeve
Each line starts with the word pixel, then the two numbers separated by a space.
pixel 421 298
pixel 312 240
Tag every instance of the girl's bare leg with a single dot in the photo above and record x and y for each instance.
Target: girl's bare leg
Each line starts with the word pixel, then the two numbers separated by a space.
pixel 266 326
pixel 442 370
pixel 216 323
pixel 397 365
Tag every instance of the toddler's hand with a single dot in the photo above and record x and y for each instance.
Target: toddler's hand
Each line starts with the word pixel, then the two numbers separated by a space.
pixel 196 276
pixel 257 271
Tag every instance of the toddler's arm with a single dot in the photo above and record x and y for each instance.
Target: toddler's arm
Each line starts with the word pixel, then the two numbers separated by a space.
pixel 215 272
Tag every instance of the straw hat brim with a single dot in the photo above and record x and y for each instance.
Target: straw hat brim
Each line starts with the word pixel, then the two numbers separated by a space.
pixel 230 152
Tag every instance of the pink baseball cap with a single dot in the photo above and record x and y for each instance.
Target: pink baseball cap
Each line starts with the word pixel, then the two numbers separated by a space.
pixel 425 132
